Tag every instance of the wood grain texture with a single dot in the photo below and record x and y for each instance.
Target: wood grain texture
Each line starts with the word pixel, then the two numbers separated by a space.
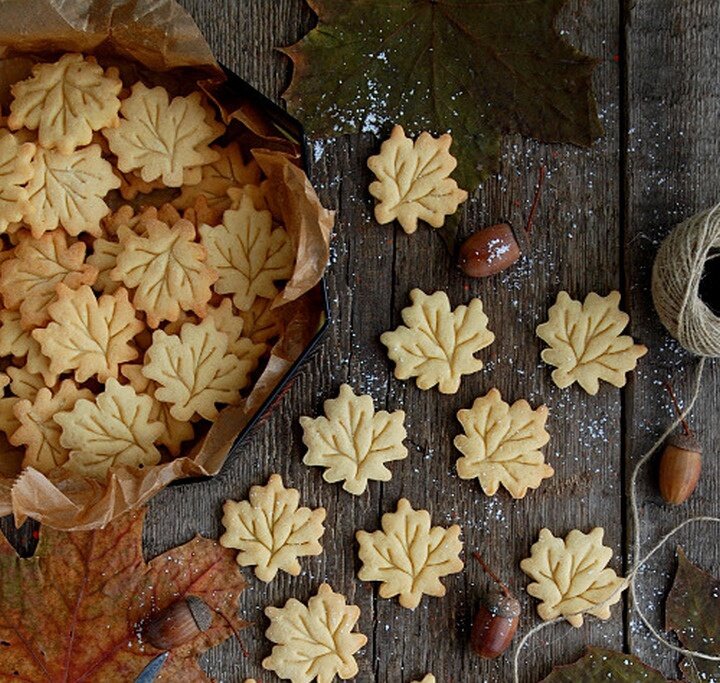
pixel 599 221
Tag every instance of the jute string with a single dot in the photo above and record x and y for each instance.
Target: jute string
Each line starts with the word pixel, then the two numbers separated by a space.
pixel 676 279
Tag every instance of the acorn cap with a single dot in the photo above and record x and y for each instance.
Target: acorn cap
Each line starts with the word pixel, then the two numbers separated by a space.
pixel 685 442
pixel 501 605
pixel 178 623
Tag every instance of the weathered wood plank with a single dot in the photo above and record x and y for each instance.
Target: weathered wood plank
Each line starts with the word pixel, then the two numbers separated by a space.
pixel 673 117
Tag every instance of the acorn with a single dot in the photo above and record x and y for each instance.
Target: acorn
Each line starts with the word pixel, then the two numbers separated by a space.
pixel 680 467
pixel 496 620
pixel 489 251
pixel 177 624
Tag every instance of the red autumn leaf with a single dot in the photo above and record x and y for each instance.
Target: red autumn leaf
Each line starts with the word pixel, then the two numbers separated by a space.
pixel 70 612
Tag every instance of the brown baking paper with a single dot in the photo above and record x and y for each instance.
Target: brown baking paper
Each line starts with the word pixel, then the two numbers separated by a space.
pixel 167 46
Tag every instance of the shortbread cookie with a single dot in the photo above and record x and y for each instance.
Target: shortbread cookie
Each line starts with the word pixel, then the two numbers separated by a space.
pixel 427 679
pixel 353 442
pixel 8 421
pixel 226 321
pixel 66 101
pixel 314 641
pixel 261 323
pixel 270 529
pixel 175 432
pixel 114 430
pixel 24 384
pixel 28 280
pixel 413 180
pixel 16 341
pixel 501 445
pixel 162 138
pixel 438 344
pixel 38 432
pixel 409 557
pixel 15 171
pixel 166 269
pixel 104 259
pixel 255 193
pixel 91 336
pixel 571 576
pixel 195 370
pixel 586 344
pixel 249 254
pixel 69 190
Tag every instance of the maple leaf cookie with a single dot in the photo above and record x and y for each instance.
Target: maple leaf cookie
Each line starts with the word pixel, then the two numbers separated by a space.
pixel 413 180
pixel 15 171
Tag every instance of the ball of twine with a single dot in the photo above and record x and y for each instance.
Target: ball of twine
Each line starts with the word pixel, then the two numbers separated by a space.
pixel 676 277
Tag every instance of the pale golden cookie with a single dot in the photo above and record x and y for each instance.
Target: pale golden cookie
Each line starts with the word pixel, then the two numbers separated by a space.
pixel 91 336
pixel 66 101
pixel 15 170
pixel 195 370
pixel 353 442
pixel 104 259
pixel 501 445
pixel 427 679
pixel 175 432
pixel 162 138
pixel 571 577
pixel 314 641
pixel 409 557
pixel 166 269
pixel 69 190
pixel 16 341
pixel 226 321
pixel 270 529
pixel 413 180
pixel 249 254
pixel 8 421
pixel 38 432
pixel 114 430
pixel 28 280
pixel 255 193
pixel 586 344
pixel 438 344
pixel 261 323
pixel 24 384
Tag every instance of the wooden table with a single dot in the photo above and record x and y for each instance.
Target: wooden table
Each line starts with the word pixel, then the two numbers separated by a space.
pixel 601 216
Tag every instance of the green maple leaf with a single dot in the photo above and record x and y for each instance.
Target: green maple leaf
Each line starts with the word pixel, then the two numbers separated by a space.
pixel 600 665
pixel 476 68
pixel 692 610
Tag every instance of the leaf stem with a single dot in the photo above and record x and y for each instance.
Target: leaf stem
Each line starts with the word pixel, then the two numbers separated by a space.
pixel 492 575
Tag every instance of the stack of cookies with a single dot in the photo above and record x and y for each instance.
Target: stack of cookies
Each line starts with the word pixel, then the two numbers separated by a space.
pixel 138 267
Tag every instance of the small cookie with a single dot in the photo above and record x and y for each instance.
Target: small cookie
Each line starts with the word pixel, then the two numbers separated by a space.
pixel 91 336
pixel 249 254
pixel 353 442
pixel 261 323
pixel 66 101
pixel 195 370
pixel 413 180
pixel 409 557
pixel 571 577
pixel 162 138
pixel 69 190
pixel 271 531
pixel 427 679
pixel 166 269
pixel 586 344
pixel 16 341
pixel 314 641
pixel 112 431
pixel 24 384
pixel 438 344
pixel 501 445
pixel 15 171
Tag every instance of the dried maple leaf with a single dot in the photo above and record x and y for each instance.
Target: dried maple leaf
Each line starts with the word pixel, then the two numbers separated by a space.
pixel 15 170
pixel 692 610
pixel 408 556
pixel 195 370
pixel 66 102
pixel 271 531
pixel 114 430
pixel 477 69
pixel 353 442
pixel 500 445
pixel 438 345
pixel 571 577
pixel 28 280
pixel 68 190
pixel 16 341
pixel 314 640
pixel 162 138
pixel 37 430
pixel 91 336
pixel 93 588
pixel 413 180
pixel 600 665
pixel 166 269
pixel 248 253
pixel 585 342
